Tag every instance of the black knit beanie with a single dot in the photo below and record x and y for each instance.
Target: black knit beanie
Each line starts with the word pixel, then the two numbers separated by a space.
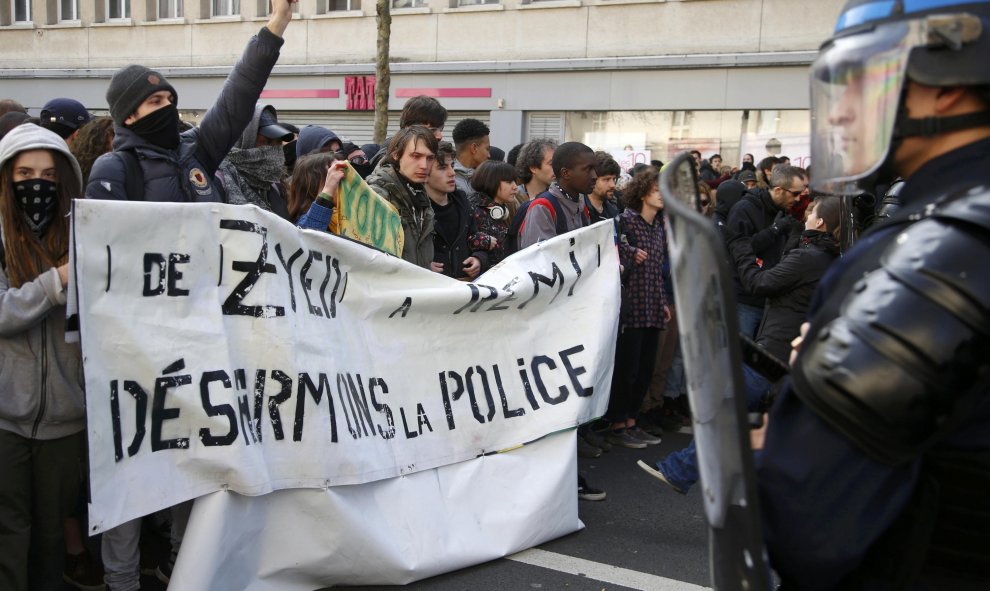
pixel 130 86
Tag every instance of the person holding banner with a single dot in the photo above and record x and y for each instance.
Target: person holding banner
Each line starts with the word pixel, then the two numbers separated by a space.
pixel 152 161
pixel 42 413
pixel 399 179
pixel 457 248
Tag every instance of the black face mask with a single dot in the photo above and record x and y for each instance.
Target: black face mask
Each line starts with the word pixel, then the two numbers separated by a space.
pixel 363 169
pixel 160 128
pixel 38 200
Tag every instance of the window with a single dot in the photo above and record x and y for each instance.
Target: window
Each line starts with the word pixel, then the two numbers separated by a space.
pixel 118 10
pixel 68 10
pixel 408 3
pixel 226 7
pixel 339 5
pixel 22 11
pixel 663 134
pixel 169 9
pixel 476 2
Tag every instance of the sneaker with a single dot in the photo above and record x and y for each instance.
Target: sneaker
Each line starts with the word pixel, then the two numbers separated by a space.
pixel 588 493
pixel 164 571
pixel 642 435
pixel 656 473
pixel 650 424
pixel 586 450
pixel 82 572
pixel 624 439
pixel 596 440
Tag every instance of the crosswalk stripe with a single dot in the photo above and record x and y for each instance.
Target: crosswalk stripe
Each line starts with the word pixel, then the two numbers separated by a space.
pixel 601 572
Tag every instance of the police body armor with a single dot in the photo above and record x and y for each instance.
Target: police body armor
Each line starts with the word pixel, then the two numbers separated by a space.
pixel 897 361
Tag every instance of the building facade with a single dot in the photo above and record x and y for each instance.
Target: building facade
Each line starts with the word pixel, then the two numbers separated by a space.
pixel 648 76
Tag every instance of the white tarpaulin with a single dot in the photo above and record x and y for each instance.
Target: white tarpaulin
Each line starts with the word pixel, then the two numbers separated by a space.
pixel 389 532
pixel 226 350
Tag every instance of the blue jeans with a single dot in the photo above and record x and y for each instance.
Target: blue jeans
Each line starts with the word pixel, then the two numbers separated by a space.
pixel 681 467
pixel 749 318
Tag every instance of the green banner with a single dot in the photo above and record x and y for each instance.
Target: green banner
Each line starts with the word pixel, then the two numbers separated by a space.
pixel 365 216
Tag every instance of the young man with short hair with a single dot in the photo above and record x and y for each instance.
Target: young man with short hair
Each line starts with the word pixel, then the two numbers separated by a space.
pixel 400 179
pixel 472 143
pixel 453 222
pixel 426 111
pixel 574 165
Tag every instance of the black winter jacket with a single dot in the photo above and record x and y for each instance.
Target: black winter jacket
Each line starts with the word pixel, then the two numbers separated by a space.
pixel 753 218
pixel 186 173
pixel 788 286
pixel 453 254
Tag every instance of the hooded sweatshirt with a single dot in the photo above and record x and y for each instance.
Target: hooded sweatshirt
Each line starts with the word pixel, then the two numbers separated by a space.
pixel 253 176
pixel 312 138
pixel 41 375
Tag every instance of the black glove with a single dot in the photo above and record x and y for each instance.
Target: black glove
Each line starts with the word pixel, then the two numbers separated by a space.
pixel 786 225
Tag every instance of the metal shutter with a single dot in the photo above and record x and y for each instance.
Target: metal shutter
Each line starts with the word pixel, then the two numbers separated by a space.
pixel 545 125
pixel 358 126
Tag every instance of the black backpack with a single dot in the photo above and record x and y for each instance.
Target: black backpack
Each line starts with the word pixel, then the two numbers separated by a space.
pixel 133 175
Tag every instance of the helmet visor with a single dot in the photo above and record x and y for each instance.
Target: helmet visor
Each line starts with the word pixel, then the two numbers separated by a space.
pixel 856 86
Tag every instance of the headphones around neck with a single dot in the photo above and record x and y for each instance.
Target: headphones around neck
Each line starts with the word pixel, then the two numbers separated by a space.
pixel 498 212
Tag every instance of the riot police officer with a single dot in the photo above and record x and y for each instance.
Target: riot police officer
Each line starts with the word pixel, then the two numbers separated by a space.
pixel 875 473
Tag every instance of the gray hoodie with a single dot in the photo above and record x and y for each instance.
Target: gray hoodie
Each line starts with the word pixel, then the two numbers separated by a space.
pixel 41 378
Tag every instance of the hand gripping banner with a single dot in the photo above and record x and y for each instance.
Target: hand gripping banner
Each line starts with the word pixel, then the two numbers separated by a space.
pixel 224 349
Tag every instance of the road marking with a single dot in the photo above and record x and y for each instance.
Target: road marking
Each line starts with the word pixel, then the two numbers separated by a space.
pixel 601 572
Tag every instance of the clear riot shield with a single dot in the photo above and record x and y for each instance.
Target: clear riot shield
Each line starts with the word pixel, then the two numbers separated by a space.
pixel 706 318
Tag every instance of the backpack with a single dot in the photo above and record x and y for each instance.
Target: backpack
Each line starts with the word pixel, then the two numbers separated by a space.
pixel 133 174
pixel 512 235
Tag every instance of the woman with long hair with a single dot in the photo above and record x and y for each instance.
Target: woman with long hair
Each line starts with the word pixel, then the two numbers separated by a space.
pixel 42 418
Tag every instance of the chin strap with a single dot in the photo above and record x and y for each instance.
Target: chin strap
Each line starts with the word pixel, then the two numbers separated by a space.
pixel 932 126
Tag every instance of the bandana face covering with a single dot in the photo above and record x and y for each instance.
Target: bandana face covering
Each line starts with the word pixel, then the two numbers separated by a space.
pixel 38 200
pixel 160 127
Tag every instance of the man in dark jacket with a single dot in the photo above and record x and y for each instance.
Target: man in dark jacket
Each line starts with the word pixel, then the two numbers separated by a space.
pixel 174 167
pixel 790 286
pixel 252 172
pixel 454 226
pixel 760 217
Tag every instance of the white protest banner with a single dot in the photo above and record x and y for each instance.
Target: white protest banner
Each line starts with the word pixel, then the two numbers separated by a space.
pixel 224 349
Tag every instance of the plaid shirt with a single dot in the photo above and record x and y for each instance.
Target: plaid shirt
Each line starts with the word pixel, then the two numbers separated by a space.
pixel 643 297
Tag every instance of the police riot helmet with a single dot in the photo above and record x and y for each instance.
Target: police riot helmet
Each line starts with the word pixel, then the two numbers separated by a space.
pixel 860 76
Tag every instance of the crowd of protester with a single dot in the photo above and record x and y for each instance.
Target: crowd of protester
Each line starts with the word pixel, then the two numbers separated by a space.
pixel 463 209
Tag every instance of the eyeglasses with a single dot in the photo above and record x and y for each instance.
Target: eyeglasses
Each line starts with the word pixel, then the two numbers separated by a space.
pixel 359 160
pixel 795 193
